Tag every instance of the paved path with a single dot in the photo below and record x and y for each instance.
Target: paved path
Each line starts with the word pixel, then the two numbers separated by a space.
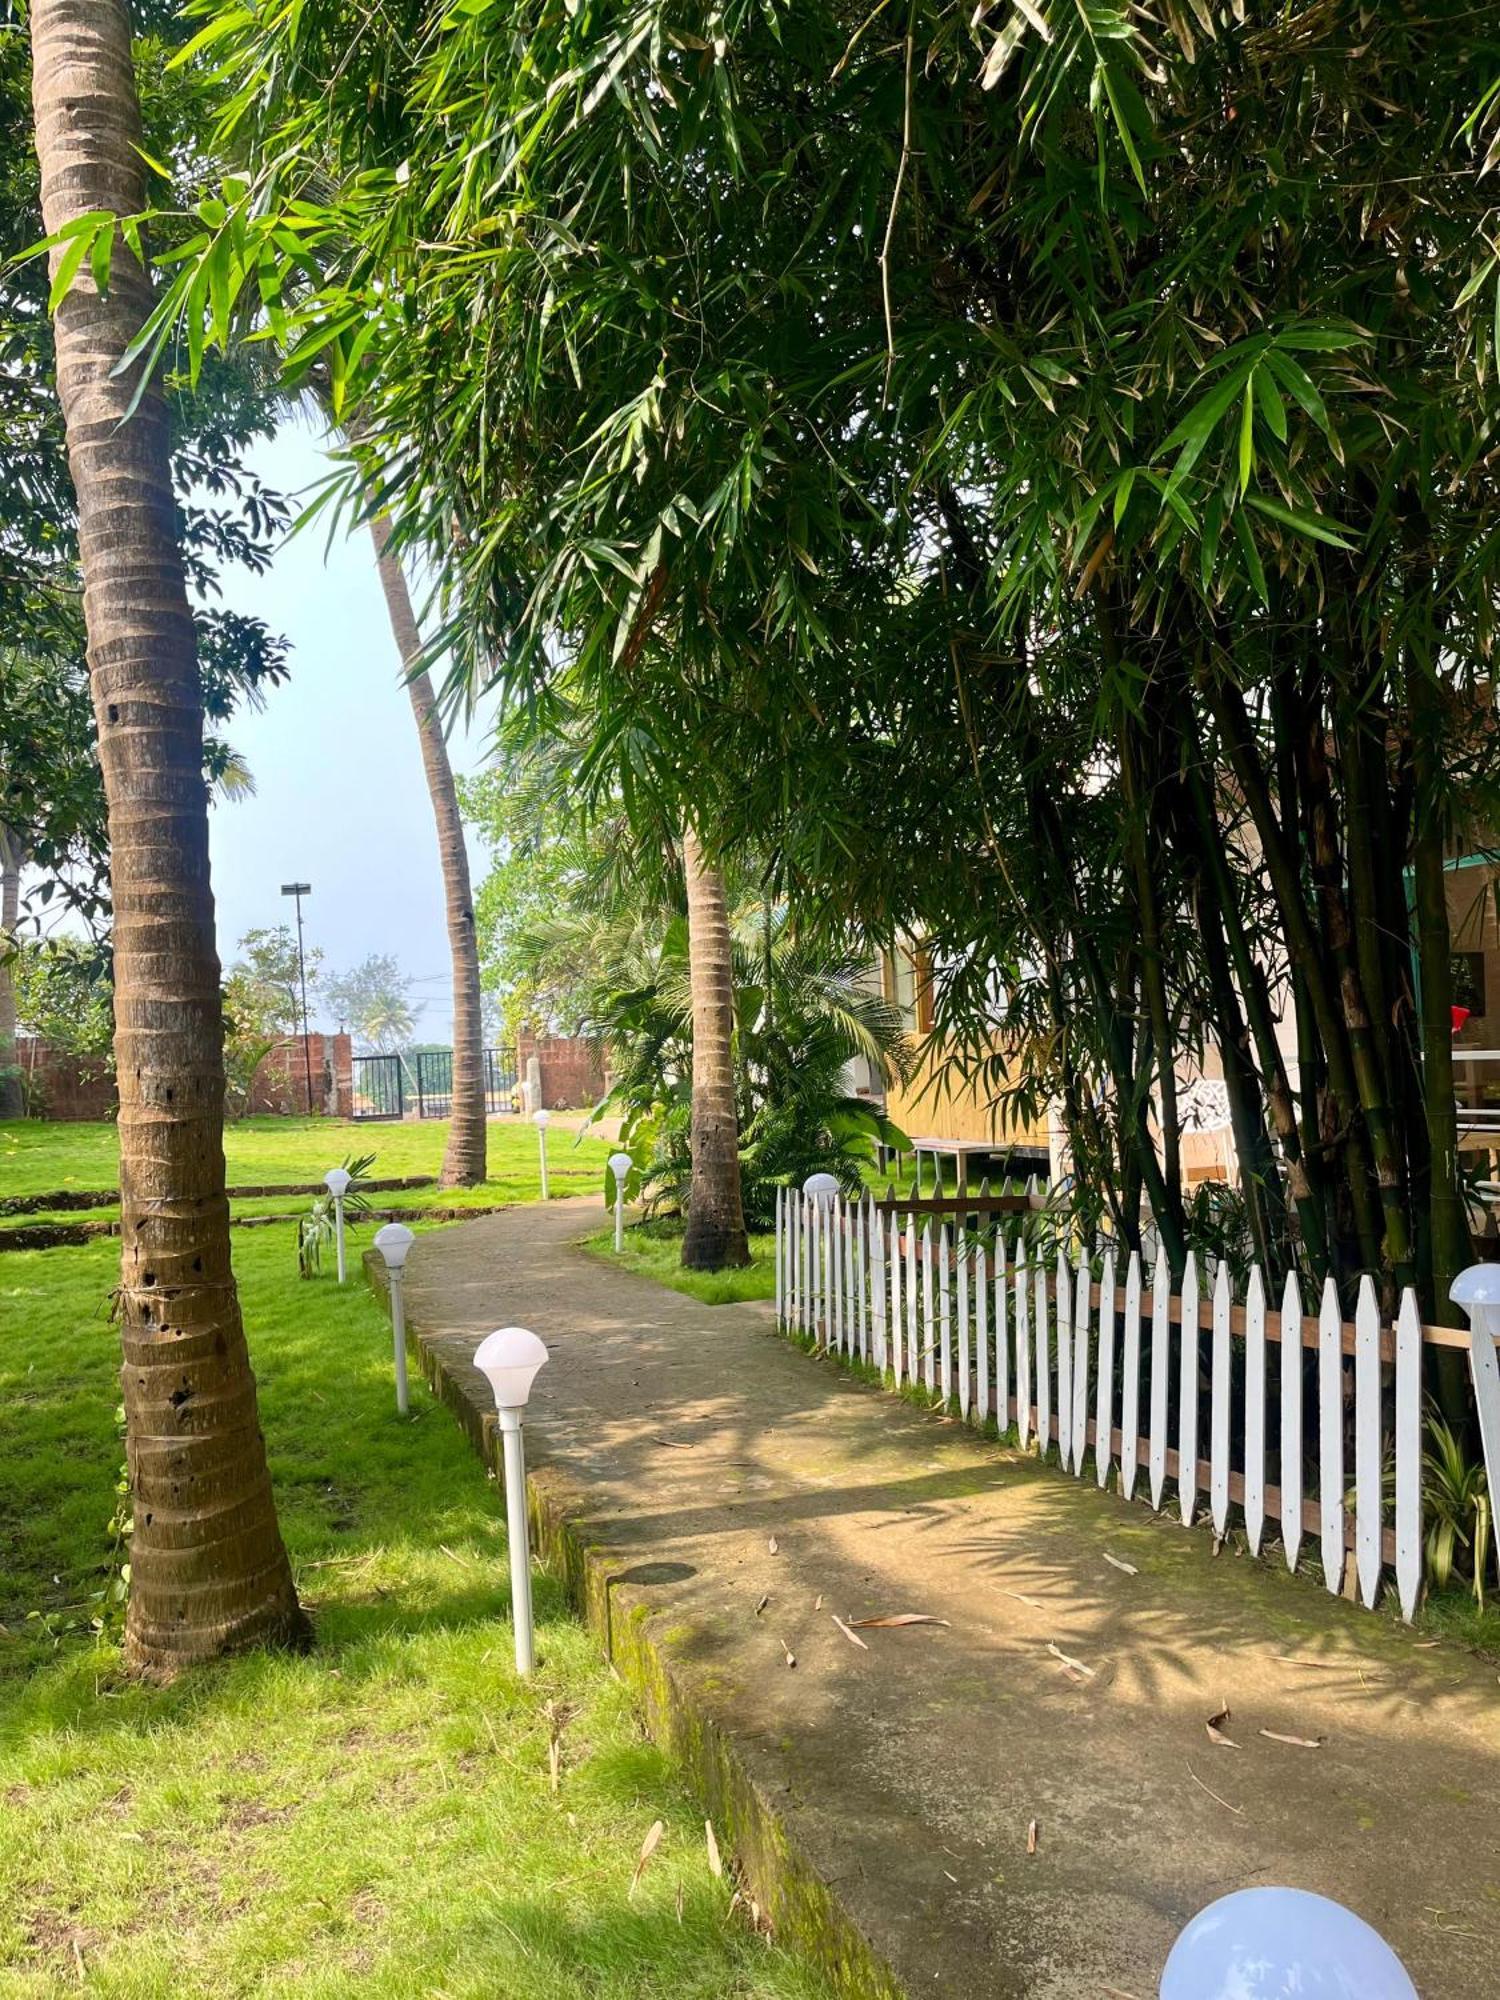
pixel 708 1468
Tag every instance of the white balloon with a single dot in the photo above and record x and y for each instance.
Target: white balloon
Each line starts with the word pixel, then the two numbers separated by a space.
pixel 1282 1944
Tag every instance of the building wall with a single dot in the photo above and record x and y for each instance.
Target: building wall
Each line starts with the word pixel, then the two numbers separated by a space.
pixel 939 1104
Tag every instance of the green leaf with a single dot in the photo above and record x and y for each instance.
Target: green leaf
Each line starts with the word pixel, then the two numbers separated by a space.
pixel 1272 408
pixel 67 270
pixel 1316 527
pixel 1251 553
pixel 1247 434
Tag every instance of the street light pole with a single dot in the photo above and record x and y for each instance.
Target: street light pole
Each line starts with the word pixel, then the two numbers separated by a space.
pixel 298 890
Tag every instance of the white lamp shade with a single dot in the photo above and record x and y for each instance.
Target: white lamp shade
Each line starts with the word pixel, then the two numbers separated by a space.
pixel 822 1187
pixel 620 1165
pixel 509 1359
pixel 394 1244
pixel 541 1119
pixel 1264 1944
pixel 337 1180
pixel 1478 1286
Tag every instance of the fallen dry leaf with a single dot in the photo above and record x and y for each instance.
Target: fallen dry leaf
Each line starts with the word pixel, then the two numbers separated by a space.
pixel 899 1618
pixel 853 1637
pixel 1073 1666
pixel 1118 1562
pixel 1031 1834
pixel 1035 1603
pixel 648 1847
pixel 791 1657
pixel 1239 1811
pixel 1297 1742
pixel 715 1864
pixel 1288 1660
pixel 772 1545
pixel 818 1602
pixel 1214 1726
pixel 762 1605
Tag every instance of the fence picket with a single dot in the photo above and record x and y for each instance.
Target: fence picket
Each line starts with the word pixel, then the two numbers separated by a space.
pixel 911 1297
pixel 929 1317
pixel 1291 1419
pixel 1255 1409
pixel 1367 1469
pixel 898 1329
pixel 1002 1335
pixel 1187 1394
pixel 945 1319
pixel 1042 1332
pixel 1219 1391
pixel 1064 1320
pixel 981 1333
pixel 1104 1406
pixel 851 1296
pixel 1331 1436
pixel 1409 1454
pixel 1161 1361
pixel 1130 1378
pixel 1080 1413
pixel 964 1355
pixel 860 1260
pixel 1023 1344
pixel 780 1254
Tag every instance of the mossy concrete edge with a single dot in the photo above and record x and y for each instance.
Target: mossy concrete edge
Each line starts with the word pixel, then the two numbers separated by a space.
pixel 802 1909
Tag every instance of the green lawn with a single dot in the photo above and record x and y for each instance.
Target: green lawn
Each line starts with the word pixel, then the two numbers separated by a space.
pixel 373 1819
pixel 38 1158
pixel 655 1250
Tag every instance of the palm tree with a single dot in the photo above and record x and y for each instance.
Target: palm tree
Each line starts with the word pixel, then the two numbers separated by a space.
pixel 715 1234
pixel 464 1159
pixel 208 1569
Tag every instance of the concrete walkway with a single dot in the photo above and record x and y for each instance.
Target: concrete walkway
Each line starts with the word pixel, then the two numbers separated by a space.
pixel 718 1499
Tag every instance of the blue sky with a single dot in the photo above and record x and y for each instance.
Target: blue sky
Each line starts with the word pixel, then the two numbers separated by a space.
pixel 340 799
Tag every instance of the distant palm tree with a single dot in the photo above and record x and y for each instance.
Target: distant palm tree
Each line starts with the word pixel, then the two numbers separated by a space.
pixel 208 1571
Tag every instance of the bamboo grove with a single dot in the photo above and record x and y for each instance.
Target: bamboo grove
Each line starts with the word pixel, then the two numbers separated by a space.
pixel 1031 469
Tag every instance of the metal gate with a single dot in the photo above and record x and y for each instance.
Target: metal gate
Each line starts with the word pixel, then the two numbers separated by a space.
pixel 422 1083
pixel 502 1090
pixel 378 1089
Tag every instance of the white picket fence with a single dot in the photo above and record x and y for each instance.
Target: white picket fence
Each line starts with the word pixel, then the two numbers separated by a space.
pixel 1070 1354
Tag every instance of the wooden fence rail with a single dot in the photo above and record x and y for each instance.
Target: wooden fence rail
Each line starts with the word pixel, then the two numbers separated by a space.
pixel 1101 1361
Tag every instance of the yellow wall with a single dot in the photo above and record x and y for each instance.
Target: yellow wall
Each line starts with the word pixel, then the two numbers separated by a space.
pixel 952 1109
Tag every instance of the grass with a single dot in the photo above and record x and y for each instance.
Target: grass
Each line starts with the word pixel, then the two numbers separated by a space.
pixel 655 1250
pixel 375 1819
pixel 40 1158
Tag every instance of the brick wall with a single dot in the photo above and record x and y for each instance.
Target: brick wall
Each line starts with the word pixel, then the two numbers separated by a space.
pixel 281 1081
pixel 572 1070
pixel 66 1087
pixel 62 1086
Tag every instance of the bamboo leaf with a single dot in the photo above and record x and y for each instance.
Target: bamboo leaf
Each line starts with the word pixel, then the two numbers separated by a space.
pixel 1314 526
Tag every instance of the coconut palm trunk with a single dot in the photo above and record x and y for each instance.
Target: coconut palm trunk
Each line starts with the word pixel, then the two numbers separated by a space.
pixel 464 1162
pixel 209 1573
pixel 12 1097
pixel 716 1217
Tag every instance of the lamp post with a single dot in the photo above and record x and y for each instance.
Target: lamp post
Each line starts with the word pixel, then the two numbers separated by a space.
pixel 541 1120
pixel 394 1244
pixel 1261 1944
pixel 336 1180
pixel 509 1359
pixel 822 1188
pixel 620 1165
pixel 299 890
